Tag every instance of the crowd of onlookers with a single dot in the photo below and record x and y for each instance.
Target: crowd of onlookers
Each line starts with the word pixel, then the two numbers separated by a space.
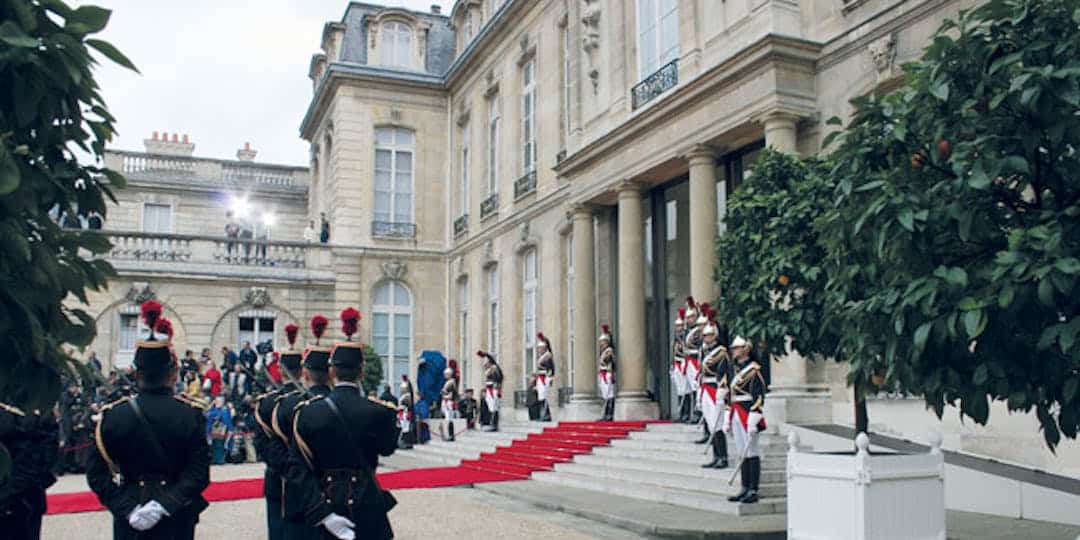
pixel 227 388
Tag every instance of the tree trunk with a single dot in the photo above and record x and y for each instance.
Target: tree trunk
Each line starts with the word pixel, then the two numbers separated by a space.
pixel 862 422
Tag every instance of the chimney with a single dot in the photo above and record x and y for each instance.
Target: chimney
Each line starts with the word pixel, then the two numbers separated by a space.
pixel 169 144
pixel 436 9
pixel 246 153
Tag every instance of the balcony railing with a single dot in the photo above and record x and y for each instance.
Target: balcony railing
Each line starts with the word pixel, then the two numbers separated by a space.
pixel 141 166
pixel 178 248
pixel 393 229
pixel 659 82
pixel 461 225
pixel 489 206
pixel 525 185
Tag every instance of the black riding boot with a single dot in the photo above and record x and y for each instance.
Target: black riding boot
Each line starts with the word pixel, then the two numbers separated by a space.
pixel 609 409
pixel 495 421
pixel 755 479
pixel 545 411
pixel 715 457
pixel 450 430
pixel 704 434
pixel 720 448
pixel 684 408
pixel 745 477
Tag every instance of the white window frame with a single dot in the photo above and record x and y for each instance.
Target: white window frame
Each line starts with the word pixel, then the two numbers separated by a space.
pixel 491 274
pixel 528 117
pixel 125 352
pixel 463 321
pixel 256 335
pixel 396 43
pixel 570 313
pixel 463 188
pixel 566 85
pixel 529 290
pixel 171 216
pixel 391 310
pixel 494 116
pixel 395 148
pixel 662 52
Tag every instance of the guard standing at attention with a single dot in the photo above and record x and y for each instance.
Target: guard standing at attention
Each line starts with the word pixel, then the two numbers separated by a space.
pixel 745 418
pixel 406 415
pixel 339 439
pixel 545 376
pixel 314 366
pixel 449 395
pixel 605 372
pixel 692 350
pixel 270 447
pixel 493 377
pixel 152 463
pixel 715 368
pixel 31 439
pixel 679 385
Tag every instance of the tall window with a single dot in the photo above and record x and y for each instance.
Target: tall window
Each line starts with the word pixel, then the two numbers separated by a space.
pixel 391 328
pixel 157 218
pixel 570 307
pixel 394 174
pixel 469 26
pixel 126 337
pixel 658 34
pixel 492 276
pixel 529 304
pixel 528 117
pixel 463 195
pixel 493 145
pixel 255 327
pixel 397 45
pixel 493 6
pixel 463 321
pixel 566 84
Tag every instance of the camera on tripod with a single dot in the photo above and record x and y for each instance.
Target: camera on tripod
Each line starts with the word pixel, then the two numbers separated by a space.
pixel 265 347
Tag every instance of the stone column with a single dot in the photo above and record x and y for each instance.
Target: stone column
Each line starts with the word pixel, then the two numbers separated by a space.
pixel 584 403
pixel 632 402
pixel 780 131
pixel 702 222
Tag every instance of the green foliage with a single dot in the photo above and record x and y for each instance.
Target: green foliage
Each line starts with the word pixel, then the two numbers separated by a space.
pixel 954 245
pixel 770 264
pixel 50 107
pixel 373 372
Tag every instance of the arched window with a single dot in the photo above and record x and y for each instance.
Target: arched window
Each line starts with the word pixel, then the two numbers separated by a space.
pixel 394 175
pixel 255 326
pixel 528 318
pixel 391 328
pixel 397 45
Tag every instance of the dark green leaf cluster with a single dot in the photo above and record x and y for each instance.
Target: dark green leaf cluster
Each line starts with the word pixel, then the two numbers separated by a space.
pixel 50 107
pixel 952 242
pixel 373 372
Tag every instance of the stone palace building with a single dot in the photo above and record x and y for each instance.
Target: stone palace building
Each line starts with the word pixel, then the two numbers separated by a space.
pixel 516 166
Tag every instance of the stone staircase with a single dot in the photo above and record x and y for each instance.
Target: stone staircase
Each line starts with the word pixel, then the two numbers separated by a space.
pixel 470 444
pixel 662 464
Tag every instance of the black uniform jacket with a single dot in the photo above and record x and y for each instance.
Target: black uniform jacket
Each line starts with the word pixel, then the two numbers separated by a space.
pixel 271 448
pixel 31 439
pixel 340 456
pixel 177 482
pixel 282 421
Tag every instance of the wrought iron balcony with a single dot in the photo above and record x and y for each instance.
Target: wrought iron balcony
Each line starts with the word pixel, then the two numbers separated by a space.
pixel 461 225
pixel 525 185
pixel 393 229
pixel 655 84
pixel 489 206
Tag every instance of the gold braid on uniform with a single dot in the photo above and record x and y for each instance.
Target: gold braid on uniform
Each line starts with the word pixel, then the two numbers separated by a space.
pixel 386 404
pixel 12 409
pixel 190 401
pixel 305 450
pixel 274 414
pixel 117 478
pixel 269 431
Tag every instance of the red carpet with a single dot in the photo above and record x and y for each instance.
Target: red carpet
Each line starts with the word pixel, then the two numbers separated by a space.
pixel 537 452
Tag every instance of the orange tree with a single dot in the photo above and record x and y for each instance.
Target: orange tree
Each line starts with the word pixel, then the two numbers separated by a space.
pixel 50 108
pixel 953 249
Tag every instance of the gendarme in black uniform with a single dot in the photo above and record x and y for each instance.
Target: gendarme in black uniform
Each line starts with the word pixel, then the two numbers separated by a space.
pixel 152 462
pixel 30 438
pixel 339 438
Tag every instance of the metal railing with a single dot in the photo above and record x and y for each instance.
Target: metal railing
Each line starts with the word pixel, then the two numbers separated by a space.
pixel 461 225
pixel 393 229
pixel 489 206
pixel 525 185
pixel 179 248
pixel 655 84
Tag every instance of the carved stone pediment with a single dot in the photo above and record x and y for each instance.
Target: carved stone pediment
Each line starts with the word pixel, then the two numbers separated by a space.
pixel 140 292
pixel 394 270
pixel 257 297
pixel 883 52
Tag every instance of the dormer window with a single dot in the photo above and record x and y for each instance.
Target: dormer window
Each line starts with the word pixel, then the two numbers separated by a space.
pixel 397 45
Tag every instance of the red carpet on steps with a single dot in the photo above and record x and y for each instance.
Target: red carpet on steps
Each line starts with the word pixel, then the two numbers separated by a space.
pixel 537 452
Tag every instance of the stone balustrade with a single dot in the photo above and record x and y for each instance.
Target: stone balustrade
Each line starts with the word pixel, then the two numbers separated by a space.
pixel 142 166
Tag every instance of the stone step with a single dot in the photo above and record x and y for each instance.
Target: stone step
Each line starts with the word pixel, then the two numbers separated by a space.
pixel 434 456
pixel 704 501
pixel 713 484
pixel 670 436
pixel 768 475
pixel 451 454
pixel 767 446
pixel 480 445
pixel 773 461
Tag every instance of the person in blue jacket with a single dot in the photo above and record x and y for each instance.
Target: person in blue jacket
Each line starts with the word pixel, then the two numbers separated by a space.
pixel 219 426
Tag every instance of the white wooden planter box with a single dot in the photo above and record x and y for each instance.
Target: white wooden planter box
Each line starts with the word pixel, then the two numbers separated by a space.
pixel 865 497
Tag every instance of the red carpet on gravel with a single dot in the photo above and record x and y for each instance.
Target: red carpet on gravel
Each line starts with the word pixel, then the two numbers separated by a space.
pixel 537 452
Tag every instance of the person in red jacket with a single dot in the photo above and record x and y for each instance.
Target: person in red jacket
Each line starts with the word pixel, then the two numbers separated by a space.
pixel 212 378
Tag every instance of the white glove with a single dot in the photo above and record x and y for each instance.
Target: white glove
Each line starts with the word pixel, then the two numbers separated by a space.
pixel 136 520
pixel 752 421
pixel 339 526
pixel 727 423
pixel 146 516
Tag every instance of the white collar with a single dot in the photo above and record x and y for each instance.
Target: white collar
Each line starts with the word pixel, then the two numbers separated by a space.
pixel 343 383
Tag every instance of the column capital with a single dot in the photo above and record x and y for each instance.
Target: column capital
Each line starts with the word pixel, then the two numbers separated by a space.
pixel 581 209
pixel 627 187
pixel 700 152
pixel 780 113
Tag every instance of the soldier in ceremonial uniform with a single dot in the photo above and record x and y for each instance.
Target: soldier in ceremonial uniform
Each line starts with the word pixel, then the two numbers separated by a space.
pixel 745 418
pixel 449 396
pixel 339 439
pixel 715 368
pixel 545 376
pixel 692 350
pixel 152 463
pixel 31 440
pixel 315 366
pixel 605 372
pixel 679 384
pixel 405 415
pixel 270 447
pixel 489 405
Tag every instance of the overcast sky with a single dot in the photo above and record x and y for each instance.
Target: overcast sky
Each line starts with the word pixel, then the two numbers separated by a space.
pixel 223 71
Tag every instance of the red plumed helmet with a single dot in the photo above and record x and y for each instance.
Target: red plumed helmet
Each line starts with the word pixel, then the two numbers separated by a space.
pixel 318 326
pixel 151 312
pixel 291 331
pixel 605 328
pixel 480 353
pixel 164 326
pixel 540 336
pixel 350 321
pixel 690 301
pixel 682 313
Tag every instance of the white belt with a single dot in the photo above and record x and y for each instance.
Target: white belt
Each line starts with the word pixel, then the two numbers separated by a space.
pixel 693 351
pixel 743 397
pixel 708 379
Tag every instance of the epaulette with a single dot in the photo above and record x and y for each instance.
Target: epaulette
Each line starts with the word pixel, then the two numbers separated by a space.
pixel 190 401
pixel 285 395
pixel 259 397
pixel 309 401
pixel 386 404
pixel 114 403
pixel 12 409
